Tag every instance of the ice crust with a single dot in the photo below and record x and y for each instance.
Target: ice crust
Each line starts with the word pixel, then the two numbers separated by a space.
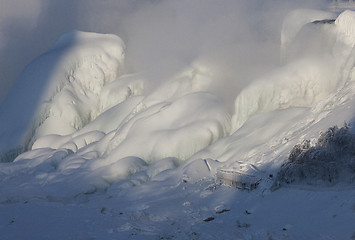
pixel 80 124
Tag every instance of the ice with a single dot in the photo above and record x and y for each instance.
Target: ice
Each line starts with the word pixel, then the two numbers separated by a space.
pixel 99 116
pixel 58 92
pixel 346 27
pixel 114 129
pixel 295 21
pixel 199 169
pixel 83 139
pixel 310 82
pixel 162 165
pixel 177 130
pixel 306 81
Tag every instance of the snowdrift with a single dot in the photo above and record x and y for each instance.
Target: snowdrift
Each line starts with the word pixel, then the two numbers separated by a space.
pixel 76 123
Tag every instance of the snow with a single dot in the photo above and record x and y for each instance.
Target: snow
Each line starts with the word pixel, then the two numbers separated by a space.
pixel 310 82
pixel 88 142
pixel 346 27
pixel 57 93
pixel 295 21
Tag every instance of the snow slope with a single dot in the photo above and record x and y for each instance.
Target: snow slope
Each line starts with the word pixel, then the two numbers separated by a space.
pixel 85 141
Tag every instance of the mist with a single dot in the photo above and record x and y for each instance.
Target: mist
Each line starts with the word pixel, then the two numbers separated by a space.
pixel 236 40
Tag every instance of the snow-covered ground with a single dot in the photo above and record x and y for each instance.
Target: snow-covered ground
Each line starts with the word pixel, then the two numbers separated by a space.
pixel 89 151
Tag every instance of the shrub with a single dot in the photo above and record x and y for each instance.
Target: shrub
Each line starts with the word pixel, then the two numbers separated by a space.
pixel 331 160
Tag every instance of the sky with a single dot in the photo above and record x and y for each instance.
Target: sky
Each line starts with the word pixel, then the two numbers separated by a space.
pixel 237 40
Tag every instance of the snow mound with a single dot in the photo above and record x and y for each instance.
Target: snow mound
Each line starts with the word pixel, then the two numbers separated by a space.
pixel 310 81
pixel 177 129
pixel 108 126
pixel 346 27
pixel 58 93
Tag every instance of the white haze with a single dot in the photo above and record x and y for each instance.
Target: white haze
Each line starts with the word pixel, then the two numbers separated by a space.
pixel 237 40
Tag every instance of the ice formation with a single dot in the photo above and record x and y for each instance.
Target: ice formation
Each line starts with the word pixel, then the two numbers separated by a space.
pixel 306 81
pixel 295 21
pixel 80 114
pixel 59 92
pixel 76 116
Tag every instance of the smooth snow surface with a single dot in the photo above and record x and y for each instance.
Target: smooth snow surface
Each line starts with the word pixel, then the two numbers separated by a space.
pixel 85 141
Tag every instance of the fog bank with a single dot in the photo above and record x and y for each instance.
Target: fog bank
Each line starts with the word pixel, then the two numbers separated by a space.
pixel 237 40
